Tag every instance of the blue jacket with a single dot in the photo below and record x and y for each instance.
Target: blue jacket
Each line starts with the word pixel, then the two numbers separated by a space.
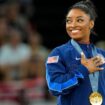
pixel 68 79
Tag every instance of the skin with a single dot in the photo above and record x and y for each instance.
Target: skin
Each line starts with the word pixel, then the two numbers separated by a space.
pixel 78 27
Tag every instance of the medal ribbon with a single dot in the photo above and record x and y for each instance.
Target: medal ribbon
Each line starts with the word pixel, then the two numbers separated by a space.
pixel 94 77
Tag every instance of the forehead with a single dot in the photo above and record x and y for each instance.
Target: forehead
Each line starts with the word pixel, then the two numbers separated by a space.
pixel 77 13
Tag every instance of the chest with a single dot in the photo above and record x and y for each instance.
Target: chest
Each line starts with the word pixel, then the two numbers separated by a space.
pixel 72 59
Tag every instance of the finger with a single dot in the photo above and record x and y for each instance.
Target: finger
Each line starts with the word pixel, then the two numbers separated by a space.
pixel 83 55
pixel 99 68
pixel 102 59
pixel 99 63
pixel 95 58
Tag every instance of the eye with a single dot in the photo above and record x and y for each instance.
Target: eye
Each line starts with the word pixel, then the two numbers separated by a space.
pixel 68 20
pixel 80 20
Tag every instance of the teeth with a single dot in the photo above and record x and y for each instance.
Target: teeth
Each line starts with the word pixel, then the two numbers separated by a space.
pixel 74 31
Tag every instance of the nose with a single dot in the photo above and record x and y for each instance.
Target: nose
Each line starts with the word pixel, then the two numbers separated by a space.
pixel 73 24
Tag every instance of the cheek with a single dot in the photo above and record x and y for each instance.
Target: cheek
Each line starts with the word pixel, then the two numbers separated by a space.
pixel 67 28
pixel 85 28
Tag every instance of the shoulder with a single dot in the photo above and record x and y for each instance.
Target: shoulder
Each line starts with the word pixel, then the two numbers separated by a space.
pixel 102 51
pixel 62 49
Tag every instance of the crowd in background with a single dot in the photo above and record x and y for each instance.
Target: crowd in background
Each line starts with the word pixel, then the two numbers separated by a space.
pixel 22 55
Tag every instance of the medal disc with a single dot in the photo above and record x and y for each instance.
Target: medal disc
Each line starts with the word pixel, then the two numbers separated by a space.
pixel 95 98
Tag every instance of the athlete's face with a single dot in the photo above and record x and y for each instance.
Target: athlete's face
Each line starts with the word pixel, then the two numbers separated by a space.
pixel 78 25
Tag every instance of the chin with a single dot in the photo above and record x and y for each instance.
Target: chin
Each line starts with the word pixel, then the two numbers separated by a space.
pixel 76 38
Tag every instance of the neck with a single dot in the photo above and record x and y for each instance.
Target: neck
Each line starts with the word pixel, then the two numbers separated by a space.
pixel 83 41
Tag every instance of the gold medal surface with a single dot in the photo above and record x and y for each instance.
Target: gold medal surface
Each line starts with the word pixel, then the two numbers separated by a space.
pixel 95 98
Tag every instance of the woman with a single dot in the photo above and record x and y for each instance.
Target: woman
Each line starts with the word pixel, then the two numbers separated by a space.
pixel 75 70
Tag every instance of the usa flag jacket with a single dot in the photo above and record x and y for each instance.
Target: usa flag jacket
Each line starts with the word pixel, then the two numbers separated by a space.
pixel 68 79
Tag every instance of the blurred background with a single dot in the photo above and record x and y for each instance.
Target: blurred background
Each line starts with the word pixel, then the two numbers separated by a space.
pixel 29 30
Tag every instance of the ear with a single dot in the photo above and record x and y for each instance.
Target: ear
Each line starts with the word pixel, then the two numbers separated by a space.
pixel 91 24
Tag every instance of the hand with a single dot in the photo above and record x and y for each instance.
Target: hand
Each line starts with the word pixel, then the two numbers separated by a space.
pixel 92 64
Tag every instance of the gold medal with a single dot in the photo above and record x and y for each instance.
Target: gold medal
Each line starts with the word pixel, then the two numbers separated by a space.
pixel 95 98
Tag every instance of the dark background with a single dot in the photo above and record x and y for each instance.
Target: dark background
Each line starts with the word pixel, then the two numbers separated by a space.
pixel 50 20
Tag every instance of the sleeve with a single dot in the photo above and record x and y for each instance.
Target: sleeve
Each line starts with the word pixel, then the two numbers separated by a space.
pixel 58 79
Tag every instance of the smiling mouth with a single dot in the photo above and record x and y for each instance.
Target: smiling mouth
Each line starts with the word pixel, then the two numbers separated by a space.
pixel 75 31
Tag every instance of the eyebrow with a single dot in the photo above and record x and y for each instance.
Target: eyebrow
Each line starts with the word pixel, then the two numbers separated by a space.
pixel 76 17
